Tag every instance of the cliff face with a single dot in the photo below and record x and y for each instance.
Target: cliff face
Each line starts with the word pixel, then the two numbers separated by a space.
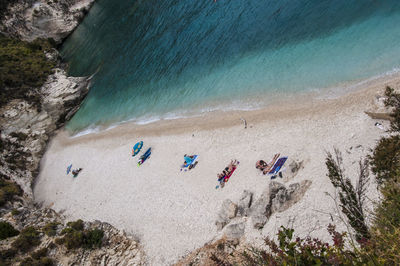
pixel 55 19
pixel 25 129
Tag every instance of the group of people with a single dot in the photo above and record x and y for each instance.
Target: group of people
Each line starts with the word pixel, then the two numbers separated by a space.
pixel 266 167
pixel 227 172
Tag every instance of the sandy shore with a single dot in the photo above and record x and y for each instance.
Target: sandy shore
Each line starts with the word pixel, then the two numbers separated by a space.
pixel 173 212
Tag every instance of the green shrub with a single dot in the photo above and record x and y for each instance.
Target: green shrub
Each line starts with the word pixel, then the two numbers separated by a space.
pixel 59 241
pixel 77 225
pixel 393 100
pixel 298 251
pixel 7 230
pixel 385 158
pixel 94 238
pixel 44 261
pixel 351 199
pixel 28 238
pixel 50 229
pixel 8 190
pixel 23 66
pixel 74 239
pixel 15 212
pixel 7 255
pixel 39 253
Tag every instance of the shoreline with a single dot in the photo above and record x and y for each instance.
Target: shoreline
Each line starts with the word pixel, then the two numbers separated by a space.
pixel 174 212
pixel 286 107
pixel 290 101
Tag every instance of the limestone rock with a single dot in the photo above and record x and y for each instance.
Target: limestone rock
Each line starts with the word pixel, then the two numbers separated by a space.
pixel 234 231
pixel 32 19
pixel 259 210
pixel 245 203
pixel 276 198
pixel 228 211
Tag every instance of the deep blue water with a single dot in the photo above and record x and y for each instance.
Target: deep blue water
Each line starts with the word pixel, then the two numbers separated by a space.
pixel 159 59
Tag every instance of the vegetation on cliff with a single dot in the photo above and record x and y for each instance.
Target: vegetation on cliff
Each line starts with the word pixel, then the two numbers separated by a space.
pixel 7 230
pixel 8 190
pixel 23 67
pixel 75 236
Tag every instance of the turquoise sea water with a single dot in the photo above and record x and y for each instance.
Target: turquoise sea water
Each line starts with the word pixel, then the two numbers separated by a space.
pixel 159 59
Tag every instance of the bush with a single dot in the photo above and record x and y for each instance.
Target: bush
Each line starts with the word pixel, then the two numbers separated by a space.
pixel 76 237
pixel 7 255
pixel 50 229
pixel 385 158
pixel 289 251
pixel 44 261
pixel 393 100
pixel 39 253
pixel 94 238
pixel 77 225
pixel 351 199
pixel 7 230
pixel 7 191
pixel 27 239
pixel 23 66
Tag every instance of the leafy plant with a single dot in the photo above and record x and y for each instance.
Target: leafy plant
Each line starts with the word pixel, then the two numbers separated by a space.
pixel 28 238
pixel 7 230
pixel 50 229
pixel 8 190
pixel 351 199
pixel 23 67
pixel 76 237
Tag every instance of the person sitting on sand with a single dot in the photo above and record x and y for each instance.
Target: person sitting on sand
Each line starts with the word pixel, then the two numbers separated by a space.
pixel 261 164
pixel 75 172
pixel 271 164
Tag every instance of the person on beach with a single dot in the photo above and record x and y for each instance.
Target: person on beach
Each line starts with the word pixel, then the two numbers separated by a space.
pixel 261 164
pixel 75 172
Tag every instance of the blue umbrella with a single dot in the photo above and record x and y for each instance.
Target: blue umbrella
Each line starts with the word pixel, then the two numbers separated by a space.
pixel 136 149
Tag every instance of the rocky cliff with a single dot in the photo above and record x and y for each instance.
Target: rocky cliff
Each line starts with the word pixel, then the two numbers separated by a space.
pixel 54 19
pixel 25 129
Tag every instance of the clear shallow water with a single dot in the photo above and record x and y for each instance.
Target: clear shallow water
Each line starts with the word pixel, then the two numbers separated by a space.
pixel 164 59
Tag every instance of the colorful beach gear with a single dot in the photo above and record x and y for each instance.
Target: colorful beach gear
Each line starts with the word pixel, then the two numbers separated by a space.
pixel 278 166
pixel 144 157
pixel 190 162
pixel 136 149
pixel 69 169
pixel 225 178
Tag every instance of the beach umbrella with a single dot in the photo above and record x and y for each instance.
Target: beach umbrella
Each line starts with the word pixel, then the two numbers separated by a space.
pixel 136 149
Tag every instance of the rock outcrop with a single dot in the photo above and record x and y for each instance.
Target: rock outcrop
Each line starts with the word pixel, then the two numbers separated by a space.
pixel 27 128
pixel 277 198
pixel 56 19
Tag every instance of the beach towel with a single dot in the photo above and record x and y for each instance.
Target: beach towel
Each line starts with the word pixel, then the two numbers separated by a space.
pixel 69 169
pixel 277 166
pixel 191 164
pixel 230 174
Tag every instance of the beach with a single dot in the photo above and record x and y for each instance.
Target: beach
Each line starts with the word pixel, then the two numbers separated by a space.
pixel 173 212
